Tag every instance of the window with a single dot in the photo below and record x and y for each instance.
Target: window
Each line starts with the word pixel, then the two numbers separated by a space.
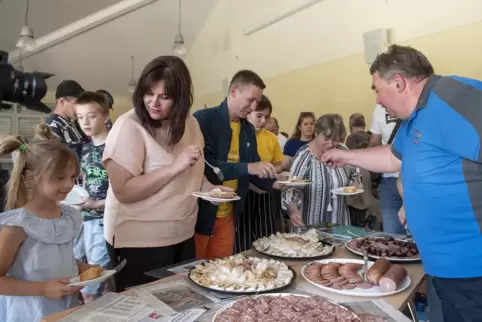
pixel 17 120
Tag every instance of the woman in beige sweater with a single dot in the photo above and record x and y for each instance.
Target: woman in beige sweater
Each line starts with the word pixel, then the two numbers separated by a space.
pixel 153 157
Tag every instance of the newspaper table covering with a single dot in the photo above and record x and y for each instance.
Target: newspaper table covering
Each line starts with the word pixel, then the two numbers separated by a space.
pixel 114 307
pixel 162 302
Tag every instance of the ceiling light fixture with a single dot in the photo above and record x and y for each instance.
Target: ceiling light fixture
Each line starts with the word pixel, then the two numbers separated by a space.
pixel 20 65
pixel 179 48
pixel 26 41
pixel 132 82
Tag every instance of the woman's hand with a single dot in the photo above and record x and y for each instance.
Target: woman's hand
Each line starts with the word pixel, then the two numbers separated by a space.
pixel 58 289
pixel 297 219
pixel 188 158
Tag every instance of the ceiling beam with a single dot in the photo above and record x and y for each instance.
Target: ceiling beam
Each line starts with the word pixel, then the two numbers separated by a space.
pixel 280 14
pixel 80 26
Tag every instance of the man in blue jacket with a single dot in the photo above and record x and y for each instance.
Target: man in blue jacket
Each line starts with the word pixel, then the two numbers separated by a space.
pixel 438 149
pixel 230 145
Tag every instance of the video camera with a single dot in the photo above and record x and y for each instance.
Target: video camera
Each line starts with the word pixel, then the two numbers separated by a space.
pixel 26 89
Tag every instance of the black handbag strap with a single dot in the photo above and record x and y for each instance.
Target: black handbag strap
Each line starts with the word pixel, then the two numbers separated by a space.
pixel 394 132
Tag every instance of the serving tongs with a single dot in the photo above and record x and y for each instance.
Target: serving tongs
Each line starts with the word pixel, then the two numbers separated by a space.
pixel 119 267
pixel 365 265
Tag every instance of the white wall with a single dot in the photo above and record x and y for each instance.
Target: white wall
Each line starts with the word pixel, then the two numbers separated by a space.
pixel 330 29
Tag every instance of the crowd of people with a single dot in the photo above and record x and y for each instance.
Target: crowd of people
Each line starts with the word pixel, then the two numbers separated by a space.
pixel 140 173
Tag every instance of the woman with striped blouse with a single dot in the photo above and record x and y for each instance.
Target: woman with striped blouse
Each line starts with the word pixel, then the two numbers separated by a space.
pixel 261 213
pixel 315 203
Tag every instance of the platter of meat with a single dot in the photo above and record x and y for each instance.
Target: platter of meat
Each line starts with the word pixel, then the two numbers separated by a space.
pixel 284 307
pixel 344 276
pixel 385 247
pixel 305 246
pixel 242 275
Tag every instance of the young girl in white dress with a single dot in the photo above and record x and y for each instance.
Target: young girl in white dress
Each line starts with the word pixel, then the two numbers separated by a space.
pixel 36 233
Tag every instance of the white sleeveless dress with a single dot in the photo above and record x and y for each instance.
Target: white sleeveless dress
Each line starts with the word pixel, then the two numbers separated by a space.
pixel 46 254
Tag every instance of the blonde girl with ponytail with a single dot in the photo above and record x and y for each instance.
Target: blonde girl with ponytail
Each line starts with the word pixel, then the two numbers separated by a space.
pixel 36 232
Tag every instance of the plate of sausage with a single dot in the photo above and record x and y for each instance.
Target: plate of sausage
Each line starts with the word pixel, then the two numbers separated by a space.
pixel 394 250
pixel 344 276
pixel 284 307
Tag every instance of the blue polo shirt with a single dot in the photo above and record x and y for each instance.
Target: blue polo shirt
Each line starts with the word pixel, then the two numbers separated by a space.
pixel 439 146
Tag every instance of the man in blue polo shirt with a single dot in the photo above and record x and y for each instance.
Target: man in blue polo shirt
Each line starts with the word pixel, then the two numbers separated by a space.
pixel 438 149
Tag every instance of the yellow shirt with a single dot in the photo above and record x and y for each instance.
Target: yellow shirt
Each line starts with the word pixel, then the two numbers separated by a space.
pixel 269 149
pixel 227 208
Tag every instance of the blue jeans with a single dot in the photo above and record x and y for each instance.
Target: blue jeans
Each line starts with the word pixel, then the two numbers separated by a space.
pixel 461 298
pixel 390 204
pixel 95 251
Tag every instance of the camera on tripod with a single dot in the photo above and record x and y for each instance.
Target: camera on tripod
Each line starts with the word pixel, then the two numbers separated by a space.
pixel 26 89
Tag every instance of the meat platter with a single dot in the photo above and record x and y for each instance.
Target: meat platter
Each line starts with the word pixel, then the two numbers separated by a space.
pixel 344 276
pixel 242 275
pixel 284 307
pixel 385 247
pixel 306 246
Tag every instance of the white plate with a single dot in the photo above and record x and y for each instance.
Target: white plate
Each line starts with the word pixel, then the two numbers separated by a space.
pixel 205 196
pixel 392 259
pixel 293 184
pixel 104 275
pixel 372 292
pixel 227 306
pixel 339 191
pixel 76 196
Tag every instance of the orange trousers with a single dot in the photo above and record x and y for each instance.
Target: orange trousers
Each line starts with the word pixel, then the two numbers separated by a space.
pixel 220 244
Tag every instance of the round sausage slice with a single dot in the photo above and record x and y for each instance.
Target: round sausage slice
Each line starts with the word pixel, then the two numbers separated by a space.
pixel 364 285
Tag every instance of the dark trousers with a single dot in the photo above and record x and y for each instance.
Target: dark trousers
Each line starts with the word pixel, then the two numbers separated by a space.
pixel 461 298
pixel 258 220
pixel 142 260
pixel 357 216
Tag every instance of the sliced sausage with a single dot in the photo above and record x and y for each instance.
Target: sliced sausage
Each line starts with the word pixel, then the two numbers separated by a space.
pixel 325 283
pixel 338 279
pixel 364 285
pixel 348 286
pixel 340 283
pixel 377 270
pixel 392 279
pixel 331 268
pixel 346 270
pixel 355 280
pixel 350 274
pixel 353 266
pixel 330 276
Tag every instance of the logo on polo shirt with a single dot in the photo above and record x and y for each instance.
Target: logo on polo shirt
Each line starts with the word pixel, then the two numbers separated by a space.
pixel 390 119
pixel 416 135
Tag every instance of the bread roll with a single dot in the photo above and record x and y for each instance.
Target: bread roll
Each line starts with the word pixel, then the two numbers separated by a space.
pixel 90 274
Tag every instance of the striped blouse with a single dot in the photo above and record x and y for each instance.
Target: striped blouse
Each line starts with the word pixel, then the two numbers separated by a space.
pixel 316 202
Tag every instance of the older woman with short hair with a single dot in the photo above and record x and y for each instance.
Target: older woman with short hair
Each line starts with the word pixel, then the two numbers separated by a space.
pixel 315 203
